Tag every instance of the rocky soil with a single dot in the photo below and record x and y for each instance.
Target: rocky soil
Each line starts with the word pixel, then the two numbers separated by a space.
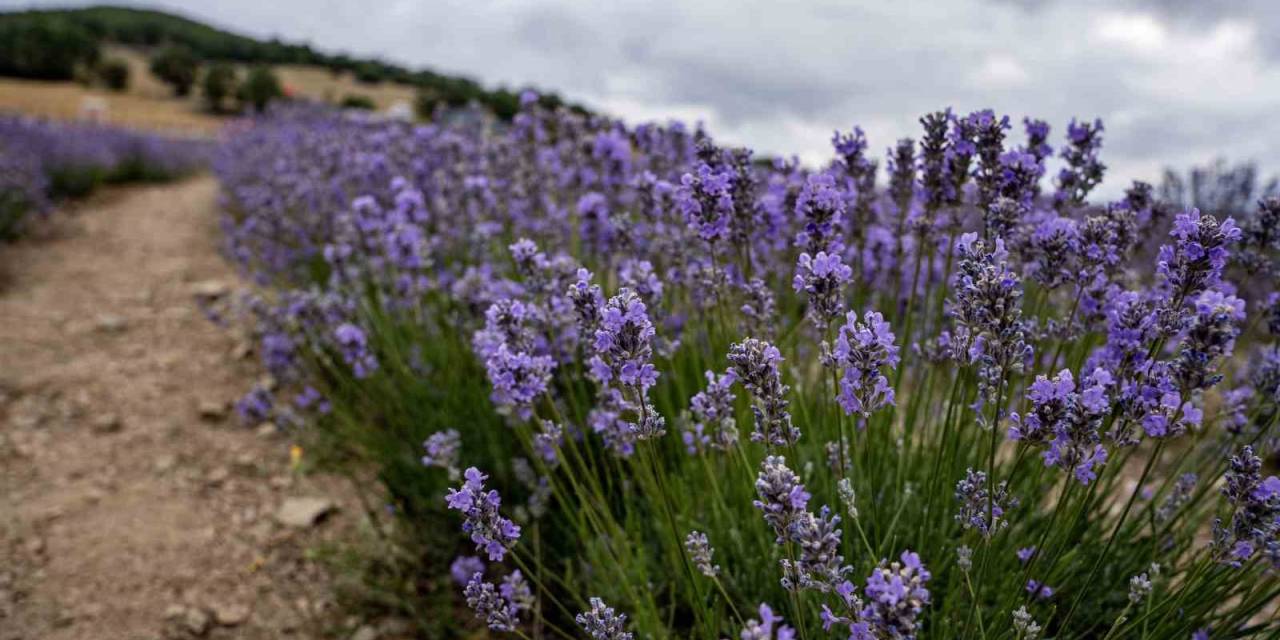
pixel 133 503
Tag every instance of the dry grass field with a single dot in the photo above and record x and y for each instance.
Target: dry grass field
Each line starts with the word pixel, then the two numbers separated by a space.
pixel 150 104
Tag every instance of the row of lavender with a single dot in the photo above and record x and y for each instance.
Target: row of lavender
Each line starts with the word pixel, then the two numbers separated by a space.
pixel 44 160
pixel 714 391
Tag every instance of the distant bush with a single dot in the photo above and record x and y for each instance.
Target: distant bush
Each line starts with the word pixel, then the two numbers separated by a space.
pixel 1219 188
pixel 358 101
pixel 259 88
pixel 114 73
pixel 176 65
pixel 45 49
pixel 370 72
pixel 219 84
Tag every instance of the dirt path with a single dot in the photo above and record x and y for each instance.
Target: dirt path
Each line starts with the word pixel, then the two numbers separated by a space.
pixel 127 508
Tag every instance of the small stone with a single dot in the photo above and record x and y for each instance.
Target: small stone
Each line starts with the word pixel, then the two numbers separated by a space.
pixel 230 615
pixel 107 423
pixel 365 632
pixel 164 463
pixel 196 621
pixel 210 289
pixel 64 618
pixel 212 410
pixel 175 612
pixel 242 350
pixel 36 546
pixel 303 512
pixel 110 323
pixel 246 463
pixel 267 429
pixel 217 476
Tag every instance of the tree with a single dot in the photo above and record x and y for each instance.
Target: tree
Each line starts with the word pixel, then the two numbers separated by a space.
pixel 219 84
pixel 358 101
pixel 114 73
pixel 176 65
pixel 260 87
pixel 45 48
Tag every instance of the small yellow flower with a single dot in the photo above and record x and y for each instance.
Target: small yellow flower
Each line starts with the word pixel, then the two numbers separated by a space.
pixel 295 457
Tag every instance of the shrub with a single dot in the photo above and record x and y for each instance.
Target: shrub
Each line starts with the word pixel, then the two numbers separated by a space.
pixel 357 101
pixel 958 403
pixel 45 48
pixel 176 66
pixel 260 88
pixel 114 73
pixel 219 84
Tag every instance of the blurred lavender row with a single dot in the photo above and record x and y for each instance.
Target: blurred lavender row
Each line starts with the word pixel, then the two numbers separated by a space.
pixel 45 160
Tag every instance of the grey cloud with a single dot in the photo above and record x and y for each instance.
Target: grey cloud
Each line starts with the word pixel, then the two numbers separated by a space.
pixel 781 76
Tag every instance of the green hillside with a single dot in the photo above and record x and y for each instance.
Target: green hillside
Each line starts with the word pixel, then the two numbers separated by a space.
pixel 52 44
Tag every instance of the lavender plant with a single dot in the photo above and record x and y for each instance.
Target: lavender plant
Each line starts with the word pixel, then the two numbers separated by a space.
pixel 43 160
pixel 976 405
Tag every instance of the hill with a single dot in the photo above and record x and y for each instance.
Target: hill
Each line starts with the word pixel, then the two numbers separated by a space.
pixel 49 44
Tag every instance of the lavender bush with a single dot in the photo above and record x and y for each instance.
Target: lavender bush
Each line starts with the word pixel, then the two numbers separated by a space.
pixel 667 389
pixel 42 160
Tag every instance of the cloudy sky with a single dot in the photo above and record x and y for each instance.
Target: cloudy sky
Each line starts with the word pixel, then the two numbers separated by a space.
pixel 1176 81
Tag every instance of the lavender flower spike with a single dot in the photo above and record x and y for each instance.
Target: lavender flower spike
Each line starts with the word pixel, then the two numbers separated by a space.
pixel 489 530
pixel 602 623
pixel 864 350
pixel 755 364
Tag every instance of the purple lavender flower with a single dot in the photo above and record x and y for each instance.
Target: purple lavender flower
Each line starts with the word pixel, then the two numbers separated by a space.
pixel 489 530
pixel 863 351
pixel 820 566
pixel 1194 262
pixel 1083 170
pixel 764 628
pixel 1211 336
pixel 1051 251
pixel 623 343
pixel 1068 420
pixel 1255 515
pixel 548 441
pixel 986 310
pixel 499 607
pixel 988 134
pixel 463 567
pixel 256 406
pixel 706 201
pixel 1039 589
pixel 355 350
pixel 713 413
pixel 755 364
pixel 897 595
pixel 602 623
pixel 587 301
pixel 981 508
pixel 623 353
pixel 821 207
pixel 700 552
pixel 1024 554
pixel 822 279
pixel 518 379
pixel 783 499
pixel 442 451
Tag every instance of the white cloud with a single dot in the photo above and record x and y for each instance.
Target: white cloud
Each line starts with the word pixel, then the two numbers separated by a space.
pixel 999 71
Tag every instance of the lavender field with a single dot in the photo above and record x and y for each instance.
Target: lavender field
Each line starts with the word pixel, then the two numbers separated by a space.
pixel 626 382
pixel 446 358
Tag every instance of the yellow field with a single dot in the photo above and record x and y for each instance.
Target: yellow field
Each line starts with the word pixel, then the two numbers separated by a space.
pixel 150 104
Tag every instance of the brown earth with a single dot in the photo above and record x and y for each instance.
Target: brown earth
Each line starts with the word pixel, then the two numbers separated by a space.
pixel 133 504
